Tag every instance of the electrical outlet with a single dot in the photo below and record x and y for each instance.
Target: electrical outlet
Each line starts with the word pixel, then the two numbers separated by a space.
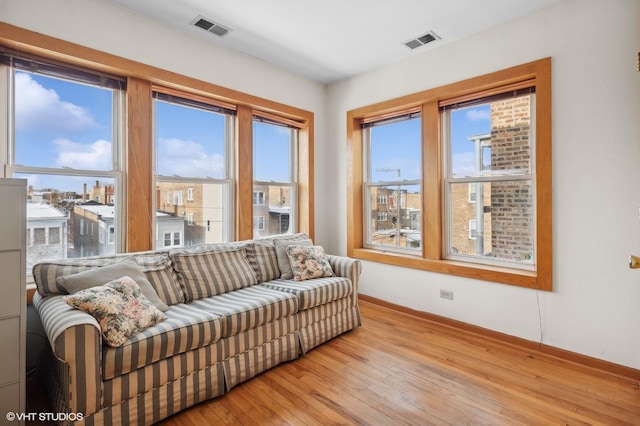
pixel 446 294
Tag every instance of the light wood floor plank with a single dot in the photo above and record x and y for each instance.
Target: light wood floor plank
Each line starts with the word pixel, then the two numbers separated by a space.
pixel 399 369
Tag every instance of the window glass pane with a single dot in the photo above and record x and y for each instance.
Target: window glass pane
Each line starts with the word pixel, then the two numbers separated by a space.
pixel 62 216
pixel 395 151
pixel 396 217
pixel 201 221
pixel 190 142
pixel 492 138
pixel 274 207
pixel 272 152
pixel 497 225
pixel 274 189
pixel 62 124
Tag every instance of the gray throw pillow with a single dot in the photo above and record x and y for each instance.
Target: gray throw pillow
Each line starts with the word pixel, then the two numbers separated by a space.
pixel 102 275
pixel 283 258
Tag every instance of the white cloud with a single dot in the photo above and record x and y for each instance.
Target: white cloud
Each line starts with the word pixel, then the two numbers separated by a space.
pixel 95 156
pixel 478 114
pixel 464 164
pixel 188 159
pixel 42 108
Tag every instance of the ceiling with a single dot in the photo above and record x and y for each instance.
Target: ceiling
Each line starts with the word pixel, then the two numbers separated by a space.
pixel 330 40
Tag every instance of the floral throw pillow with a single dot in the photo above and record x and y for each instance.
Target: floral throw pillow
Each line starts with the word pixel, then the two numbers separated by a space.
pixel 120 308
pixel 308 262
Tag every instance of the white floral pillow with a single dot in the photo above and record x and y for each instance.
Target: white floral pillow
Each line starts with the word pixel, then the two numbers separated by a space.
pixel 308 262
pixel 120 308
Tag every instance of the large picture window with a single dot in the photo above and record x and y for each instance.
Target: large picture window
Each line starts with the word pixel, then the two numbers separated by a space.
pixel 479 205
pixel 193 150
pixel 65 132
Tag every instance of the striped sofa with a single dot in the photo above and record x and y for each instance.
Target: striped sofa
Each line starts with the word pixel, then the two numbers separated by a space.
pixel 209 342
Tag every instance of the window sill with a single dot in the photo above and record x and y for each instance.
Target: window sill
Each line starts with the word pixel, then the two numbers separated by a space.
pixel 516 277
pixel 31 290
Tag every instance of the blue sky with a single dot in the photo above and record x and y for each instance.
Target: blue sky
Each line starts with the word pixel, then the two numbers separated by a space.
pixel 394 146
pixel 61 124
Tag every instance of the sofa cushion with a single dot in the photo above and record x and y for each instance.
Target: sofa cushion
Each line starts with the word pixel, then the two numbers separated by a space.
pixel 314 292
pixel 263 259
pixel 99 276
pixel 308 262
pixel 159 271
pixel 46 273
pixel 283 257
pixel 248 308
pixel 119 307
pixel 185 328
pixel 213 272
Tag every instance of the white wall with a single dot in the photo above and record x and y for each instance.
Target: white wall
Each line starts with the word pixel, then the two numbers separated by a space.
pixel 595 306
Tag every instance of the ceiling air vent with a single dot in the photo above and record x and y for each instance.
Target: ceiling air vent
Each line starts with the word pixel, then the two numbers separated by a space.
pixel 211 26
pixel 422 40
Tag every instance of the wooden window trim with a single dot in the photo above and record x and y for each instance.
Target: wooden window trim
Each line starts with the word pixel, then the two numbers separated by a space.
pixel 431 258
pixel 142 80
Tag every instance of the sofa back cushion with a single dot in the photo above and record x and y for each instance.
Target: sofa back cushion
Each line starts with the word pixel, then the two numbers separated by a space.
pixel 262 257
pixel 158 268
pixel 45 274
pixel 214 272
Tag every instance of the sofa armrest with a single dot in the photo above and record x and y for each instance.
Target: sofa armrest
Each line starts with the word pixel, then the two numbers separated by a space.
pixel 349 268
pixel 76 342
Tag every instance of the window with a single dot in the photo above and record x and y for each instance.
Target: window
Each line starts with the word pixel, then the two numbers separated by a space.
pixel 193 151
pixel 258 198
pixel 177 198
pixel 480 205
pixel 275 176
pixel 472 232
pixel 392 182
pixel 258 223
pixel 172 239
pixel 39 236
pixel 490 146
pixel 65 134
pixel 54 236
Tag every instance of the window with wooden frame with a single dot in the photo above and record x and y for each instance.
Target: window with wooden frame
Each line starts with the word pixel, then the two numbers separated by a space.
pixel 490 136
pixel 194 154
pixel 275 147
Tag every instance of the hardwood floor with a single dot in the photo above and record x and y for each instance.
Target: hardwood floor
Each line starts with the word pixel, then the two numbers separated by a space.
pixel 399 369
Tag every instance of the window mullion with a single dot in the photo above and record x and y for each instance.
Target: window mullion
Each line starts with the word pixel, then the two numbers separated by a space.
pixel 431 178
